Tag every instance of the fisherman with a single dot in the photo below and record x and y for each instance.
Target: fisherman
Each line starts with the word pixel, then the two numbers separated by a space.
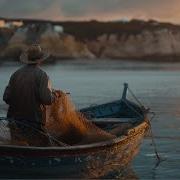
pixel 29 90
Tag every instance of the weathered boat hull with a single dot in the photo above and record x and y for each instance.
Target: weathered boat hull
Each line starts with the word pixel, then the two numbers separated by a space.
pixel 85 161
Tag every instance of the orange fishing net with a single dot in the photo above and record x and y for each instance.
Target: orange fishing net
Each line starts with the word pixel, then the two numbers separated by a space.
pixel 70 126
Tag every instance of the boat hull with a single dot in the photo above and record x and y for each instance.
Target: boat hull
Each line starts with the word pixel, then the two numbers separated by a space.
pixel 85 161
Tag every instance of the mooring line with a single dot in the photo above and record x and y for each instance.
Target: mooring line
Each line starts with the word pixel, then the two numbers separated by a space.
pixel 159 159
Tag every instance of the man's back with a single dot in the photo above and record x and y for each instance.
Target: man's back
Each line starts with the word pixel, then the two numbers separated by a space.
pixel 27 90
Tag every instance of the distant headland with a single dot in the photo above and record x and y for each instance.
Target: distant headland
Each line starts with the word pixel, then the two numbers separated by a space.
pixel 134 39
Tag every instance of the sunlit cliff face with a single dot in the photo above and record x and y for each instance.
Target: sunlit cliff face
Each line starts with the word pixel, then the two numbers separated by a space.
pixel 163 10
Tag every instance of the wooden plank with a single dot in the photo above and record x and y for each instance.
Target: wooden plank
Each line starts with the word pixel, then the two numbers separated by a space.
pixel 114 120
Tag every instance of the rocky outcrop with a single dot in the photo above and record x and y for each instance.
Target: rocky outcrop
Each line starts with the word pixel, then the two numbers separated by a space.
pixel 132 40
pixel 63 45
pixel 60 45
pixel 148 44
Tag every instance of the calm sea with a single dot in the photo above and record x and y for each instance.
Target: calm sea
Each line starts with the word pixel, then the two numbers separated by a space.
pixel 156 85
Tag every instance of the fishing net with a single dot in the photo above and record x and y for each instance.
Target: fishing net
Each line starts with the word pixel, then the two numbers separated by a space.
pixel 64 126
pixel 15 132
pixel 68 125
pixel 22 134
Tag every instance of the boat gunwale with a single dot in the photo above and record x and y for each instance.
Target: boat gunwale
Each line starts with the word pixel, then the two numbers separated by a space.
pixel 68 150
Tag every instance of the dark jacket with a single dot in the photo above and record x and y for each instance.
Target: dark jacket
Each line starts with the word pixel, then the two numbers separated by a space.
pixel 27 90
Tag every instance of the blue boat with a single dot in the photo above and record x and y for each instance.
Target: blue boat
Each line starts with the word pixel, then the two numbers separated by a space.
pixel 94 160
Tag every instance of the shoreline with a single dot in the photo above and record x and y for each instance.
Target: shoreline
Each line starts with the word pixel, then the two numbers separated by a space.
pixel 54 60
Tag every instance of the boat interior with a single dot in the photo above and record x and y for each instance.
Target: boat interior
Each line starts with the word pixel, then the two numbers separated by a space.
pixel 116 127
pixel 99 123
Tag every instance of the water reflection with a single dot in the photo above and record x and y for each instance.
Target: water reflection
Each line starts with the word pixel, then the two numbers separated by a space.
pixel 123 174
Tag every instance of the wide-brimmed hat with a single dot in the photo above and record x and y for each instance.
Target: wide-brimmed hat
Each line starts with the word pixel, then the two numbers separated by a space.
pixel 34 55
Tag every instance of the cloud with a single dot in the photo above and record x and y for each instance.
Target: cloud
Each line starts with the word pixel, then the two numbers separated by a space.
pixel 164 10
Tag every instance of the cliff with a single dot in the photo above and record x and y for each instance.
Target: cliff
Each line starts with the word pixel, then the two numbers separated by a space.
pixel 113 40
pixel 161 44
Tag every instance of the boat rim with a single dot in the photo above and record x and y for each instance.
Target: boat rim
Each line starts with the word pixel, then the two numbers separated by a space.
pixel 76 147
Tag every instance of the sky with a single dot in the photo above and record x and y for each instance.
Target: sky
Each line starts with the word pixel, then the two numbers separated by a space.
pixel 105 10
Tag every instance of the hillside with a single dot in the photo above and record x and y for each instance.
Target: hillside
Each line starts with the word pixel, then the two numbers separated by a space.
pixel 135 39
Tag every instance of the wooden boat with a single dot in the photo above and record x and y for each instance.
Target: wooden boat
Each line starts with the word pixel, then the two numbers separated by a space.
pixel 83 161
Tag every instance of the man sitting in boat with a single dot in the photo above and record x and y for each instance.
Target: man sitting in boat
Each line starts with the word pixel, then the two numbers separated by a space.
pixel 29 89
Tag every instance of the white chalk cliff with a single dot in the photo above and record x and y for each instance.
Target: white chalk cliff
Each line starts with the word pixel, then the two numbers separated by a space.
pixel 149 43
pixel 146 44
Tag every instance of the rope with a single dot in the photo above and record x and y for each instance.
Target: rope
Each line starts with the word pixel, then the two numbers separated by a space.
pixel 152 138
pixel 133 109
pixel 134 96
pixel 49 136
pixel 159 160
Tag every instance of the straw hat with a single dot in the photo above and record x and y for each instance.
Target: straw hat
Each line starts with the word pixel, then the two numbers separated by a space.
pixel 33 55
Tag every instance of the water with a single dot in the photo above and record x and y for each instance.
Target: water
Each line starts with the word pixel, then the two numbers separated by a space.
pixel 156 85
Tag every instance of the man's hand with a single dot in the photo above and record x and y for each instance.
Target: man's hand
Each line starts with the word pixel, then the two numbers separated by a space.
pixel 57 93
